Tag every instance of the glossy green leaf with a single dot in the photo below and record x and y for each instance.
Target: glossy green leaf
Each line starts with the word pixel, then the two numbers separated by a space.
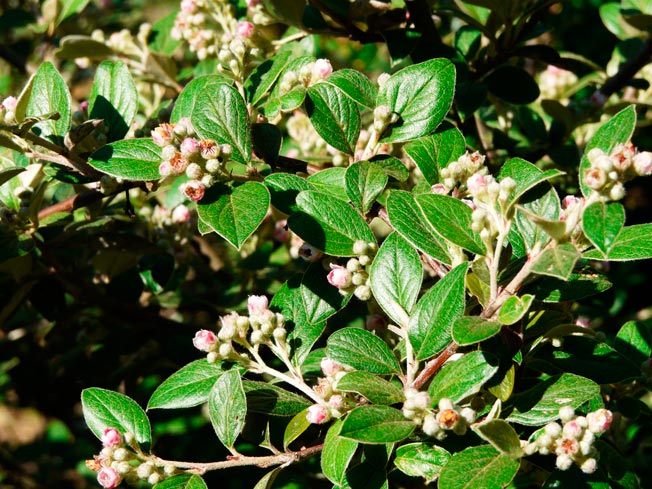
pixel 420 95
pixel 264 76
pixel 113 98
pixel 364 183
pixel 372 387
pixel 451 218
pixel 335 117
pixel 421 460
pixel 187 99
pixel 362 350
pixel 540 404
pixel 355 85
pixel 268 479
pixel 295 428
pixel 234 212
pixel 376 424
pixel 434 152
pixel 459 379
pixel 513 84
pixel 633 243
pixel 618 130
pixel 331 181
pixel 602 224
pixel 557 261
pixel 407 218
pixel 478 468
pixel 514 308
pixel 526 234
pixel 49 93
pixel 328 224
pixel 432 319
pixel 395 277
pixel 131 159
pixel 220 114
pixel 392 166
pixel 337 454
pixel 578 286
pixel 284 188
pixel 501 435
pixel 525 175
pixel 468 330
pixel 69 8
pixel 187 387
pixel 266 398
pixel 634 340
pixel 107 409
pixel 182 481
pixel 227 407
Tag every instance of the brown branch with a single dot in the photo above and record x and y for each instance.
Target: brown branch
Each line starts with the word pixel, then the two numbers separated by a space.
pixel 433 366
pixel 75 202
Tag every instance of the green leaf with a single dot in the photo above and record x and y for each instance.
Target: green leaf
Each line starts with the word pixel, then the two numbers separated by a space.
pixel 543 202
pixel 468 330
pixel 227 407
pixel 525 175
pixel 264 75
pixel 7 174
pixel 540 404
pixel 633 243
pixel 459 379
pixel 161 40
pixel 407 218
pixel 107 409
pixel 478 468
pixel 392 166
pixel 355 85
pixel 501 435
pixel 421 460
pixel 337 454
pixel 335 117
pixel 602 224
pixel 451 218
pixel 331 181
pixel 578 286
pixel 432 153
pixel 113 98
pixel 295 428
pixel 268 479
pixel 234 212
pixel 557 261
pixel 362 350
pixel 49 93
pixel 328 224
pixel 131 159
pixel 372 387
pixel 376 424
pixel 618 130
pixel 634 341
pixel 187 99
pixel 364 183
pixel 69 8
pixel 266 398
pixel 513 84
pixel 395 278
pixel 613 20
pixel 220 114
pixel 182 481
pixel 514 308
pixel 421 96
pixel 284 188
pixel 76 46
pixel 432 320
pixel 187 387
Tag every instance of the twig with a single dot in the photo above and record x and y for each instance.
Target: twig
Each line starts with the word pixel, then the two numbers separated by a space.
pixel 433 366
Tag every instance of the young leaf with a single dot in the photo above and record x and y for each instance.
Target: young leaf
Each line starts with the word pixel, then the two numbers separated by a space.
pixel 364 183
pixel 459 379
pixel 633 243
pixel 371 387
pixel 542 201
pixel 221 114
pixel 421 460
pixel 297 425
pixel 187 99
pixel 525 175
pixel 395 277
pixel 113 98
pixel 469 330
pixel 558 261
pixel 602 224
pixel 49 93
pixel 420 95
pixel 107 409
pixel 432 153
pixel 227 407
pixel 234 212
pixel 501 435
pixel 284 188
pixel 354 85
pixel 478 468
pixel 376 424
pixel 514 308
pixel 618 130
pixel 131 159
pixel 431 322
pixel 407 218
pixel 337 454
pixel 362 350
pixel 335 117
pixel 451 218
pixel 330 225
pixel 266 398
pixel 182 481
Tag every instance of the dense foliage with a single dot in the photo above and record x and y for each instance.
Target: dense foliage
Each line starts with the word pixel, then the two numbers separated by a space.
pixel 325 243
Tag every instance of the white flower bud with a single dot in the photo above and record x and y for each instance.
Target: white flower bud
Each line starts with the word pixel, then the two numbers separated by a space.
pixel 589 466
pixel 566 413
pixel 564 462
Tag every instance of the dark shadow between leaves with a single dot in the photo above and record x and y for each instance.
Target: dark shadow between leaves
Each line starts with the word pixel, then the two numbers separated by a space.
pixel 103 109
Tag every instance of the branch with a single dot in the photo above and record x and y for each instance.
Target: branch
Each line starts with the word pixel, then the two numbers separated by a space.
pixel 433 366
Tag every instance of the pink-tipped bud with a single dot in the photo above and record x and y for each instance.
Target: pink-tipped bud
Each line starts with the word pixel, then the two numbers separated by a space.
pixel 165 169
pixel 257 304
pixel 476 184
pixel 322 68
pixel 600 420
pixel 245 29
pixel 194 190
pixel 163 134
pixel 181 214
pixel 188 6
pixel 111 438
pixel 83 106
pixel 643 163
pixel 189 146
pixel 10 103
pixel 572 430
pixel 204 340
pixel 318 414
pixel 339 276
pixel 108 478
pixel 330 367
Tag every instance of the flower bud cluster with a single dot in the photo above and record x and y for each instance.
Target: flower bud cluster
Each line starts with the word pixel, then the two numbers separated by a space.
pixel 608 173
pixel 436 422
pixel 573 440
pixel 170 228
pixel 258 13
pixel 336 402
pixel 555 82
pixel 307 75
pixel 457 172
pixel 202 161
pixel 383 118
pixel 262 326
pixel 8 111
pixel 354 277
pixel 117 462
pixel 122 42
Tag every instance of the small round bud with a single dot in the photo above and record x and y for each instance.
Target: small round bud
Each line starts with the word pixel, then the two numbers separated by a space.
pixel 154 479
pixel 362 292
pixel 111 438
pixel 225 350
pixel 360 247
pixel 589 466
pixel 280 334
pixel 213 356
pixel 318 414
pixel 204 340
pixel 566 413
pixel 564 462
pixel 257 304
pixel 108 478
pixel 257 337
pixel 144 470
pixel 330 367
pixel 553 429
pixel 120 454
pixel 643 163
pixel 599 421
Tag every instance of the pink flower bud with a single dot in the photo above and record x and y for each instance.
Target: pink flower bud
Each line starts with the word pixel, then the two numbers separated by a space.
pixel 111 438
pixel 10 103
pixel 181 214
pixel 600 420
pixel 329 366
pixel 309 253
pixel 83 106
pixel 179 163
pixel 163 134
pixel 108 478
pixel 572 430
pixel 439 189
pixel 194 190
pixel 322 68
pixel 570 201
pixel 643 163
pixel 257 304
pixel 583 321
pixel 339 276
pixel 189 146
pixel 204 340
pixel 318 414
pixel 336 401
pixel 245 29
pixel 476 184
pixel 165 169
pixel 281 232
pixel 252 3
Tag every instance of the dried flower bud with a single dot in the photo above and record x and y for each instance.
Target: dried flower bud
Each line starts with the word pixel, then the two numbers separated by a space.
pixel 194 190
pixel 163 134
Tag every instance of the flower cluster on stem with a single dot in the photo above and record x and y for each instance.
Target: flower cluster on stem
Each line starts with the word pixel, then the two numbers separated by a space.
pixel 354 277
pixel 335 402
pixel 436 422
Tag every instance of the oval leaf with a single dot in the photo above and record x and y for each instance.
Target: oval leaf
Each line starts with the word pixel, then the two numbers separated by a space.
pixel 337 454
pixel 297 425
pixel 469 330
pixel 227 407
pixel 501 435
pixel 459 379
pixel 49 93
pixel 376 424
pixel 421 460
pixel 371 387
pixel 131 159
pixel 362 350
pixel 187 99
pixel 478 468
pixel 602 224
pixel 364 183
